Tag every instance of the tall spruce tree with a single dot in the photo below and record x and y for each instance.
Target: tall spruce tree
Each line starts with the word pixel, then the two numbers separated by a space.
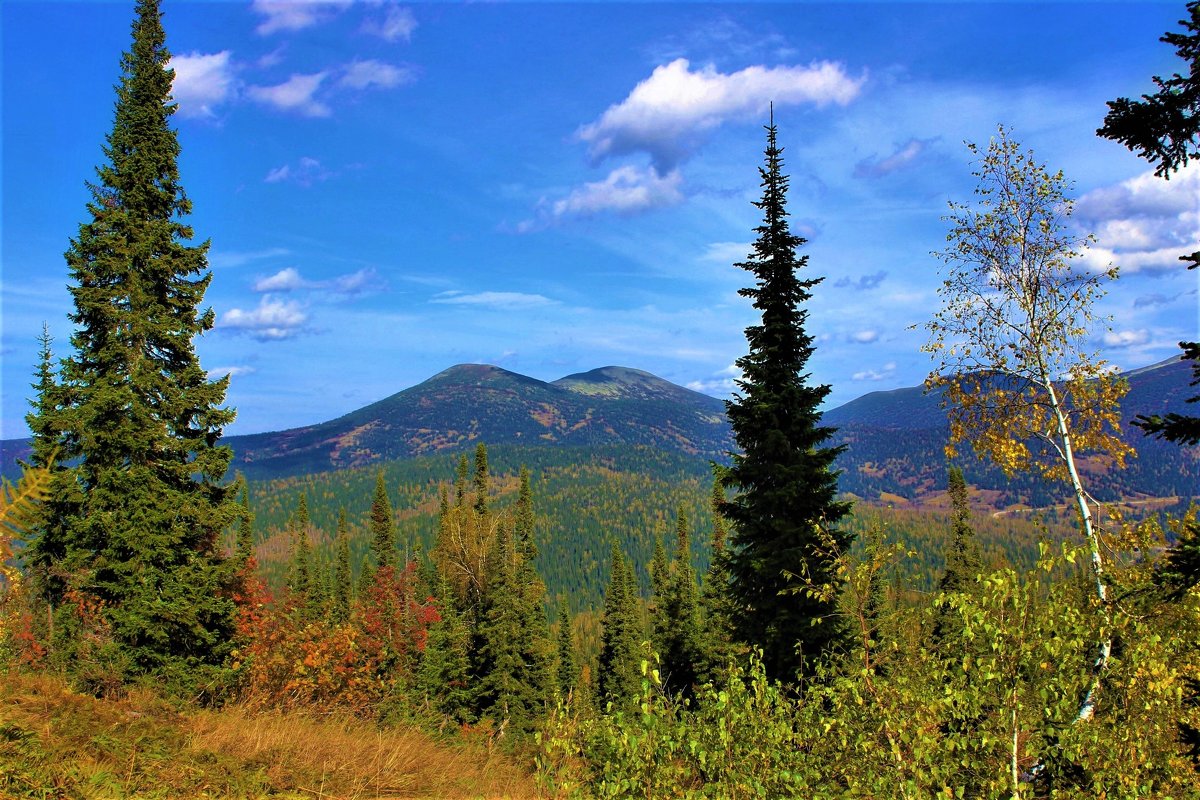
pixel 141 417
pixel 343 586
pixel 784 513
pixel 481 481
pixel 618 678
pixel 683 649
pixel 383 526
pixel 46 544
pixel 244 546
pixel 567 673
pixel 716 601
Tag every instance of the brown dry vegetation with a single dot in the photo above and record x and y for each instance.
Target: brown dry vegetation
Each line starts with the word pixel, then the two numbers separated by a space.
pixel 56 743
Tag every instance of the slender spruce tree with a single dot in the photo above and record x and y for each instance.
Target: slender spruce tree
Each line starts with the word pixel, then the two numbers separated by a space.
pixel 141 419
pixel 682 655
pixel 621 635
pixel 47 538
pixel 481 481
pixel 383 526
pixel 244 548
pixel 716 601
pixel 784 513
pixel 567 673
pixel 343 586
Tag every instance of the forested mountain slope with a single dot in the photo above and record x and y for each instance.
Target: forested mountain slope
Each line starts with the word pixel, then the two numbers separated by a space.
pixel 894 439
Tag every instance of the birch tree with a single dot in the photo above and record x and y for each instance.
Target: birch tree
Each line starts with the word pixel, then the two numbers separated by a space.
pixel 1010 339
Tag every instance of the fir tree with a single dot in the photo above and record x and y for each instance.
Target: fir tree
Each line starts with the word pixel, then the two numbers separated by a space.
pixel 784 514
pixel 245 529
pixel 301 571
pixel 141 417
pixel 300 518
pixel 444 674
pixel 618 675
pixel 513 672
pixel 342 579
pixel 524 519
pixel 46 546
pixel 481 480
pixel 682 651
pixel 660 583
pixel 964 564
pixel 383 527
pixel 567 674
pixel 715 599
pixel 460 479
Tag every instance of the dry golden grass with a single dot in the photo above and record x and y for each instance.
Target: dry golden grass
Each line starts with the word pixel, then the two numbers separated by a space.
pixel 338 756
pixel 57 743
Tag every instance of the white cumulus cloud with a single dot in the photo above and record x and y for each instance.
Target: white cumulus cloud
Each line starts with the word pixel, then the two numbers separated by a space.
pixel 272 320
pixel 663 114
pixel 202 82
pixel 1145 223
pixel 626 189
pixel 296 94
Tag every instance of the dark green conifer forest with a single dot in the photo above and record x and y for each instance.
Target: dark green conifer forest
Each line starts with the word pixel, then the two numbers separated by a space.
pixel 612 622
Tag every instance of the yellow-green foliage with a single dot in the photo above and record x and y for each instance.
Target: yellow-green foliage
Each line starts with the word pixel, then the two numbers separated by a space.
pixel 988 712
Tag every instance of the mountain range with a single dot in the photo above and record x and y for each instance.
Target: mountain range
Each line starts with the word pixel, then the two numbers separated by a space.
pixel 894 439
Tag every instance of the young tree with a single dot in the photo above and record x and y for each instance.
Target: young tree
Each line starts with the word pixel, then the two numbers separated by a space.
pixel 141 417
pixel 567 673
pixel 46 537
pixel 784 506
pixel 716 601
pixel 620 638
pixel 683 651
pixel 1010 337
pixel 383 526
pixel 244 547
pixel 342 580
pixel 481 481
pixel 964 564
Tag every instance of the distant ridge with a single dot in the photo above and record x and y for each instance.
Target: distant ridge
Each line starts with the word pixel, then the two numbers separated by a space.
pixel 894 439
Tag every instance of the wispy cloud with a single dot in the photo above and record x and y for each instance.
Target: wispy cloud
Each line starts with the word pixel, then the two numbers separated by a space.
pixel 866 336
pixel 1119 339
pixel 297 94
pixel 289 279
pixel 375 74
pixel 221 372
pixel 720 384
pixel 230 259
pixel 882 374
pixel 202 82
pixel 272 320
pixel 304 172
pixel 294 15
pixel 666 113
pixel 498 300
pixel 862 283
pixel 395 24
pixel 904 156
pixel 1150 300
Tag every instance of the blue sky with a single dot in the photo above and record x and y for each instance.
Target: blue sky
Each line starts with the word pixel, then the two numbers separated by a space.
pixel 391 189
